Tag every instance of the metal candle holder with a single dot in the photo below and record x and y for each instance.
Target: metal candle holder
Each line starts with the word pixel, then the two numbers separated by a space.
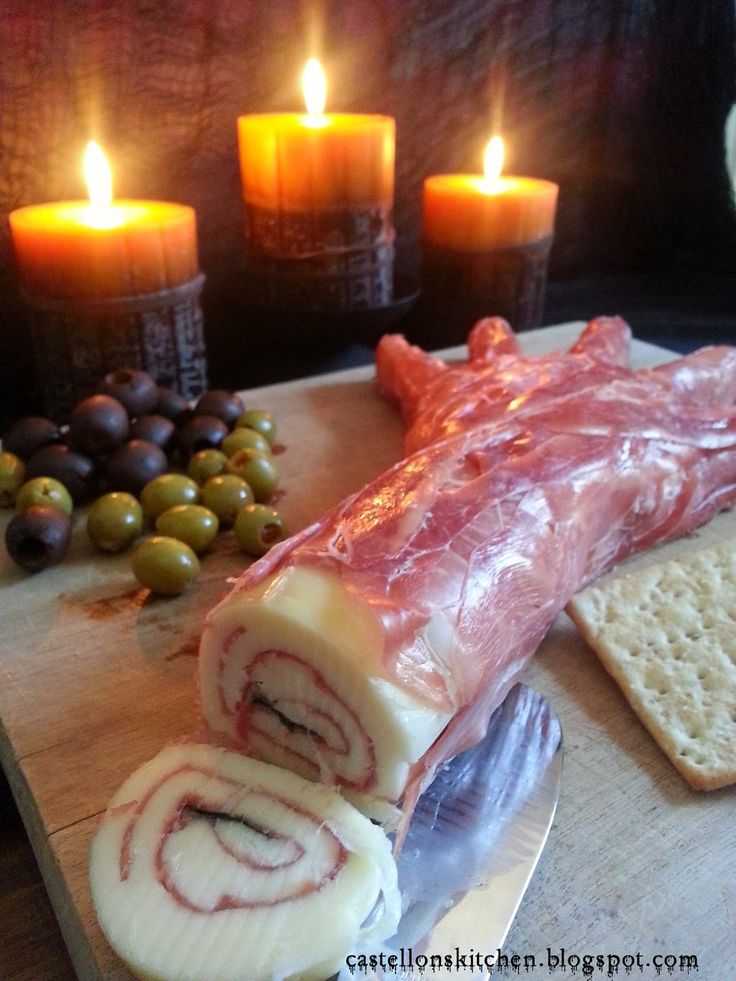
pixel 77 342
pixel 458 288
pixel 328 260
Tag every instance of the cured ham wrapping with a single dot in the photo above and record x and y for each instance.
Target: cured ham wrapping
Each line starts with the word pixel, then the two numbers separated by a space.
pixel 209 865
pixel 375 644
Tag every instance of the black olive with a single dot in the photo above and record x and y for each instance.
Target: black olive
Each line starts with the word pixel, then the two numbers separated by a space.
pixel 135 389
pixel 173 405
pixel 201 433
pixel 38 537
pixel 98 425
pixel 74 470
pixel 30 433
pixel 154 429
pixel 134 464
pixel 222 404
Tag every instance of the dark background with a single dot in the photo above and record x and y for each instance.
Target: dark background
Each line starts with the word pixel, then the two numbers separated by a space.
pixel 622 103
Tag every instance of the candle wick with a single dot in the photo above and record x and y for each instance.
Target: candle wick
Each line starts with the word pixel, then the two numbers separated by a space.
pixel 315 120
pixel 491 185
pixel 102 216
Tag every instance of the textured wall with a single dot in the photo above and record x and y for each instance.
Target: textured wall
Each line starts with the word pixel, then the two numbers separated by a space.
pixel 622 103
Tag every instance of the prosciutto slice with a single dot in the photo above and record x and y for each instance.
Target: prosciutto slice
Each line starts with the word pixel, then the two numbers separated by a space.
pixel 209 865
pixel 374 645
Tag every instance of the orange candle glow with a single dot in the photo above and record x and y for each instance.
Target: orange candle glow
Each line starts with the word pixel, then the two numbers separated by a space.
pixel 316 161
pixel 480 213
pixel 102 248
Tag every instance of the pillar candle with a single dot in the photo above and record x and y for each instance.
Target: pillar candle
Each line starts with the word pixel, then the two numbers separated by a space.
pixel 102 248
pixel 485 246
pixel 480 213
pixel 318 191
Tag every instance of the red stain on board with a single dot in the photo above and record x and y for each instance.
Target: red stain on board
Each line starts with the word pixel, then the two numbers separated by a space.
pixel 190 648
pixel 105 607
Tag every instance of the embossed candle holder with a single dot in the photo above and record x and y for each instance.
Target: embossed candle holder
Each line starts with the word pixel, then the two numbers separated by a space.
pixel 332 260
pixel 77 341
pixel 459 288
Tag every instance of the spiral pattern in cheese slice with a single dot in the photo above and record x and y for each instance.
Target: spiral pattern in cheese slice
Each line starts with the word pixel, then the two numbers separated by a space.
pixel 293 673
pixel 210 865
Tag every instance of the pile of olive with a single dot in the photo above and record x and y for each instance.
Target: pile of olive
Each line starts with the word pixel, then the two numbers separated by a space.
pixel 144 453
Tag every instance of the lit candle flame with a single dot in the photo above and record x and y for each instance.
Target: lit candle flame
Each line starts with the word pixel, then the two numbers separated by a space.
pixel 98 176
pixel 493 161
pixel 100 213
pixel 314 84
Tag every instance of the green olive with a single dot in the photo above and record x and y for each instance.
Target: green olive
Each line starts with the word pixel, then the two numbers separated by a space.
pixel 166 491
pixel 206 464
pixel 165 565
pixel 115 521
pixel 257 469
pixel 261 421
pixel 44 492
pixel 190 523
pixel 12 475
pixel 257 528
pixel 243 437
pixel 225 495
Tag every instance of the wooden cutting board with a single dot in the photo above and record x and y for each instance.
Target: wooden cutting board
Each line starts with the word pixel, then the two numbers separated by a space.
pixel 97 676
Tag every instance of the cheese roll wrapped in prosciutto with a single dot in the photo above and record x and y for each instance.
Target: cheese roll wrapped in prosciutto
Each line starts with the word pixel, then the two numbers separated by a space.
pixel 293 671
pixel 209 865
pixel 376 644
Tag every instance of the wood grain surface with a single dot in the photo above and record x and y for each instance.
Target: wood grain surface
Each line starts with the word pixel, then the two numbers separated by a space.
pixel 97 676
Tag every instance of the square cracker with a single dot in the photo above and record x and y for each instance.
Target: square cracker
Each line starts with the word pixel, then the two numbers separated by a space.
pixel 667 635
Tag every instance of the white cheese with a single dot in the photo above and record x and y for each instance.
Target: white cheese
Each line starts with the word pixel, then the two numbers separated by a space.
pixel 209 865
pixel 307 657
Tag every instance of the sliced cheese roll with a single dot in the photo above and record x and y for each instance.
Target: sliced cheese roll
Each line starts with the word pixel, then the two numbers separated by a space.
pixel 292 671
pixel 210 865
